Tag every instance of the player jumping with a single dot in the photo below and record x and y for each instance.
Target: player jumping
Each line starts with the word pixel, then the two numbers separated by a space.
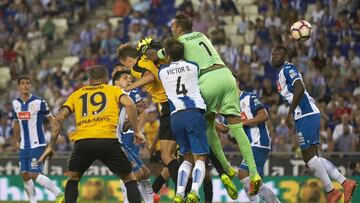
pixel 219 90
pixel 307 121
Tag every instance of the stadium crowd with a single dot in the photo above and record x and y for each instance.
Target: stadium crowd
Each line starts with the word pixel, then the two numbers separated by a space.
pixel 329 61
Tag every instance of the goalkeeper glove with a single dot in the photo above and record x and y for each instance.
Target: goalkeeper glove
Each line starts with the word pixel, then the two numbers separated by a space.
pixel 144 44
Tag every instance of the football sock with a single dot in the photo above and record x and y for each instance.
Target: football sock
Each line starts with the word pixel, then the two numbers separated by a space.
pixel 208 190
pixel 183 176
pixel 246 184
pixel 146 191
pixel 48 184
pixel 319 171
pixel 332 171
pixel 216 163
pixel 198 176
pixel 158 182
pixel 237 131
pixel 132 191
pixel 71 191
pixel 215 145
pixel 173 167
pixel 30 190
pixel 124 192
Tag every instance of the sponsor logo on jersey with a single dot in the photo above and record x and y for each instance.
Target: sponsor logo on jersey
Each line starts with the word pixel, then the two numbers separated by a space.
pixel 24 115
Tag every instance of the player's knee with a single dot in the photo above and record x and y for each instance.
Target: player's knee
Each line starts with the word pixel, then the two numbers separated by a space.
pixel 25 176
pixel 145 172
pixel 165 157
pixel 127 177
pixel 74 176
pixel 34 176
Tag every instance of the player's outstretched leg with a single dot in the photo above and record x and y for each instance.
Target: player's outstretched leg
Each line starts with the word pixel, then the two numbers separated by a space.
pixel 348 184
pixel 315 163
pixel 29 187
pixel 198 176
pixel 208 186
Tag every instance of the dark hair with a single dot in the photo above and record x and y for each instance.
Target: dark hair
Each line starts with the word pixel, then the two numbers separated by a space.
pixel 174 49
pixel 184 22
pixel 118 75
pixel 23 77
pixel 281 47
pixel 126 50
pixel 98 72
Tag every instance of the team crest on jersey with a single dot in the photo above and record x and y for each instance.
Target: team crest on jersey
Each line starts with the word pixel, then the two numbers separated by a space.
pixel 32 107
pixel 292 74
pixel 24 115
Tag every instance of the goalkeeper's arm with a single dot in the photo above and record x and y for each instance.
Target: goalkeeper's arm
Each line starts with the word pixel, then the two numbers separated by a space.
pixel 152 49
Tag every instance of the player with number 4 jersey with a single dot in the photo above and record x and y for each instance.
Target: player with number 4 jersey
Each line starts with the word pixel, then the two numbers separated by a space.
pixel 180 80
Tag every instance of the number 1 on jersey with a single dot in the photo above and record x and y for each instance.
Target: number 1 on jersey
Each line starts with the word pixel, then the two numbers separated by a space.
pixel 207 48
pixel 183 89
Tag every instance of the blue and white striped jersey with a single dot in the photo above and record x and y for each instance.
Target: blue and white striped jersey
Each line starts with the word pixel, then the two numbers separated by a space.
pixel 258 135
pixel 30 115
pixel 135 95
pixel 180 81
pixel 288 74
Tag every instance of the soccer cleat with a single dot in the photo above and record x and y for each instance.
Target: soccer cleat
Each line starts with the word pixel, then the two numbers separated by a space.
pixel 60 198
pixel 231 173
pixel 230 186
pixel 156 197
pixel 333 196
pixel 255 183
pixel 192 198
pixel 349 187
pixel 178 199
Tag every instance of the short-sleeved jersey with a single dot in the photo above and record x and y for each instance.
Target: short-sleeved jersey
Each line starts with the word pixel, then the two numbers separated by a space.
pixel 30 115
pixel 199 49
pixel 96 111
pixel 135 95
pixel 258 135
pixel 180 80
pixel 287 76
pixel 155 88
pixel 150 131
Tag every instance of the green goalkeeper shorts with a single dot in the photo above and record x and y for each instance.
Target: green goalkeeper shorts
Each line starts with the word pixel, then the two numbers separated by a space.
pixel 220 92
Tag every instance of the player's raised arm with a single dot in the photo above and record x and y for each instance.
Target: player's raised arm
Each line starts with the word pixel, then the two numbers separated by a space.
pixel 147 78
pixel 132 115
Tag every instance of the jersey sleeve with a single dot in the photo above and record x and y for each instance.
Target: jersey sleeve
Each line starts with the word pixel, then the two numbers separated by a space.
pixel 14 116
pixel 255 104
pixel 117 91
pixel 135 95
pixel 69 103
pixel 291 74
pixel 44 108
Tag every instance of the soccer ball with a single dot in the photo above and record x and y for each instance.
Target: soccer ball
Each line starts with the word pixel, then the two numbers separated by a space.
pixel 301 30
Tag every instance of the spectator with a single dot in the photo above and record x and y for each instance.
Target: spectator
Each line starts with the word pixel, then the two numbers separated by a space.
pixel 121 8
pixel 318 13
pixel 75 47
pixel 354 59
pixel 228 7
pixel 272 20
pixel 87 35
pixel 44 72
pixel 242 24
pixel 49 28
pixel 200 25
pixel 346 142
pixel 250 33
pixel 58 75
pixel 339 128
pixel 337 59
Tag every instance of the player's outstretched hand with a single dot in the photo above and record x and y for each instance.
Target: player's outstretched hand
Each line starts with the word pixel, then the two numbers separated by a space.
pixel 144 44
pixel 139 137
pixel 49 152
pixel 289 121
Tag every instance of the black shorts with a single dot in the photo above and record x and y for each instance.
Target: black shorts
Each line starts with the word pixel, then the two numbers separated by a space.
pixel 156 157
pixel 108 151
pixel 165 132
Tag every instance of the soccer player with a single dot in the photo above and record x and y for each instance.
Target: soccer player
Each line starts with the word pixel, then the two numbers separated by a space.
pixel 253 116
pixel 307 121
pixel 29 114
pixel 180 80
pixel 146 73
pixel 219 90
pixel 123 79
pixel 96 109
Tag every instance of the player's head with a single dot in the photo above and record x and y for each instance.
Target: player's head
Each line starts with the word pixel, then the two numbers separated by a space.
pixel 278 56
pixel 181 24
pixel 127 55
pixel 117 67
pixel 122 78
pixel 24 85
pixel 174 49
pixel 98 75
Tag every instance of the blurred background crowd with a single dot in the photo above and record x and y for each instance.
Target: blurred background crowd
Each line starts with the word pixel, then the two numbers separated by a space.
pixel 243 31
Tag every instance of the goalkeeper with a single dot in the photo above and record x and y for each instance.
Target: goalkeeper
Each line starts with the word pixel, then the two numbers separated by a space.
pixel 219 90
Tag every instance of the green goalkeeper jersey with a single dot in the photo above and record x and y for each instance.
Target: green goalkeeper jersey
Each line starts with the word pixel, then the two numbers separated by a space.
pixel 198 49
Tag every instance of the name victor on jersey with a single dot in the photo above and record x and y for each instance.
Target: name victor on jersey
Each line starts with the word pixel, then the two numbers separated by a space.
pixel 177 70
